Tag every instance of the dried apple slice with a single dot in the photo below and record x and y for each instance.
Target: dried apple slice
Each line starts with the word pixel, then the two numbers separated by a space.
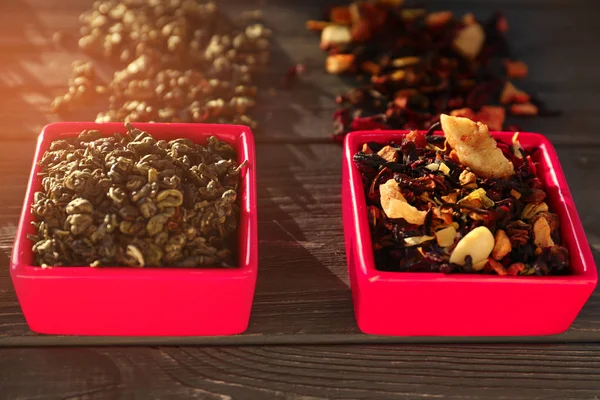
pixel 475 147
pixel 395 206
pixel 469 40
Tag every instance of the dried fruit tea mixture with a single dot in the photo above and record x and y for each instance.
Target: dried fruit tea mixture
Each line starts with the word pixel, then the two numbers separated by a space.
pixel 132 200
pixel 176 60
pixel 461 202
pixel 416 65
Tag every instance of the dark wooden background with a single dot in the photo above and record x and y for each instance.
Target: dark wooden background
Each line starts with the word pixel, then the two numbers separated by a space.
pixel 302 342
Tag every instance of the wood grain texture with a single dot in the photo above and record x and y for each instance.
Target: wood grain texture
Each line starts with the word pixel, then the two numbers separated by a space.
pixel 33 70
pixel 303 372
pixel 302 294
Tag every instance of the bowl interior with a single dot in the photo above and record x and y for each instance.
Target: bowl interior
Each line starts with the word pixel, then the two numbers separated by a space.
pixel 239 137
pixel 548 170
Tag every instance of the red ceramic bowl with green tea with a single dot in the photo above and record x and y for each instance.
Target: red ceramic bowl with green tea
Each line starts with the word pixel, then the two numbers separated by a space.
pixel 435 304
pixel 130 301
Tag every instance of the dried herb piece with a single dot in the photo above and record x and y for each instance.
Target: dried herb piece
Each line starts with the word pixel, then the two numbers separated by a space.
pixel 133 200
pixel 412 65
pixel 429 211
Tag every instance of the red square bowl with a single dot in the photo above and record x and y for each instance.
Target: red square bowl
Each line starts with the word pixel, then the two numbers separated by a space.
pixel 434 304
pixel 141 301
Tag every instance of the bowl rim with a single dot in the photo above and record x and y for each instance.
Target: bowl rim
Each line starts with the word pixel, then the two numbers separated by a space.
pixel 245 148
pixel 361 233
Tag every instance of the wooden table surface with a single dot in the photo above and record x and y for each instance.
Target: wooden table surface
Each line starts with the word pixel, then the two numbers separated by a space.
pixel 303 342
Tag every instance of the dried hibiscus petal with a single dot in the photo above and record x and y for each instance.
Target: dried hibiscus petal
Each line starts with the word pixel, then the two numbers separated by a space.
pixel 368 123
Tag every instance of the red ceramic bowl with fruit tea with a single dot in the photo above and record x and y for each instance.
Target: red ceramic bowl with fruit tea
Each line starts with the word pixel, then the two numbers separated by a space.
pixel 129 301
pixel 434 304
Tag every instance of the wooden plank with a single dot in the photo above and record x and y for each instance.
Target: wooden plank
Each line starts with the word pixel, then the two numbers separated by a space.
pixel 302 294
pixel 565 61
pixel 304 113
pixel 562 73
pixel 40 16
pixel 304 372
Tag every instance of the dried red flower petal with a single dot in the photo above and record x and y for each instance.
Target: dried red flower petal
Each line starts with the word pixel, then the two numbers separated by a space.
pixel 340 15
pixel 515 269
pixel 497 267
pixel 368 123
pixel 401 101
pixel 536 196
pixel 292 73
pixel 502 24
